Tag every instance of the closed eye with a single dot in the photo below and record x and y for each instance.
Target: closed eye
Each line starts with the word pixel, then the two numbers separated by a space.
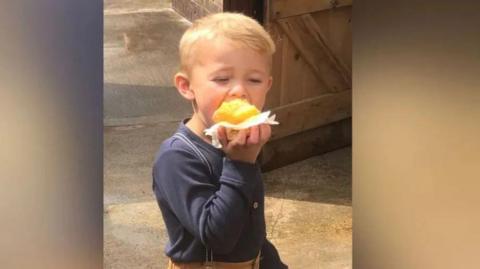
pixel 221 79
pixel 255 80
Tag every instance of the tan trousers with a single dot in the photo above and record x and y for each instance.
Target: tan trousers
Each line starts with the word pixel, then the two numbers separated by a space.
pixel 252 264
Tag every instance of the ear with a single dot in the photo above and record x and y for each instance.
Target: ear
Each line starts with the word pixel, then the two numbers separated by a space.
pixel 269 83
pixel 182 82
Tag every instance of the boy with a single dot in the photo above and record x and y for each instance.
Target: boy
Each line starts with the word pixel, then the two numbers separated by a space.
pixel 212 200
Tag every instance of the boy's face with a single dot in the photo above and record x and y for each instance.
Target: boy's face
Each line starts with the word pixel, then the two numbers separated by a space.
pixel 223 71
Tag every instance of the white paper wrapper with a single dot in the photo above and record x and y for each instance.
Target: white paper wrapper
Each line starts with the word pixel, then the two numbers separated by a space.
pixel 262 118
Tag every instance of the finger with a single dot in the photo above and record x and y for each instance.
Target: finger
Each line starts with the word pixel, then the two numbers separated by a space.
pixel 254 136
pixel 240 139
pixel 222 136
pixel 265 132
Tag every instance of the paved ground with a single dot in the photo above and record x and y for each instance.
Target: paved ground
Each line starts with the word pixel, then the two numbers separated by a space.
pixel 140 59
pixel 308 204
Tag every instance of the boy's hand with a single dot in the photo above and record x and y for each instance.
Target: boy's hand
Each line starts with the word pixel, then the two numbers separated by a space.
pixel 247 143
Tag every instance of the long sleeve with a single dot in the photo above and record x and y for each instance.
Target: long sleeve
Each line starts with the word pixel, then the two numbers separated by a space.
pixel 214 214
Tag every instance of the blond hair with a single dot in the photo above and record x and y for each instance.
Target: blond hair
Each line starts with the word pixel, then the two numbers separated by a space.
pixel 236 27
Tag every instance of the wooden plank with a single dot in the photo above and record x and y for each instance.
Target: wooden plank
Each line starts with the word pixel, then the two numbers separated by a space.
pixel 311 113
pixel 273 97
pixel 313 54
pixel 297 147
pixel 283 69
pixel 292 75
pixel 311 85
pixel 336 27
pixel 287 8
pixel 316 33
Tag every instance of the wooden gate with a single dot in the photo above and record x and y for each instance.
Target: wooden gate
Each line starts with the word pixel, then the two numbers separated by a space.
pixel 311 91
pixel 312 77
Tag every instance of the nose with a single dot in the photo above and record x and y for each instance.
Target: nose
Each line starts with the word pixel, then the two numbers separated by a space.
pixel 238 90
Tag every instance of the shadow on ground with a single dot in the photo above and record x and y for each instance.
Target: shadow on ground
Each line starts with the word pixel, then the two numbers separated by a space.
pixel 123 102
pixel 325 178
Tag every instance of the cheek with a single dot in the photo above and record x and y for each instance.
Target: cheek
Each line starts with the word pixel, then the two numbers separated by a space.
pixel 260 104
pixel 258 99
pixel 209 103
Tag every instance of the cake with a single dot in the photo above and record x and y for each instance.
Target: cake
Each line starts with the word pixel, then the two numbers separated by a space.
pixel 235 111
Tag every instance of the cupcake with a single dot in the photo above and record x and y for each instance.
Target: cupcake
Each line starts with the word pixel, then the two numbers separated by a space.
pixel 234 112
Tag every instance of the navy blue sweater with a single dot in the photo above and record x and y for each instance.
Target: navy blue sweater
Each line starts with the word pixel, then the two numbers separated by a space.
pixel 222 208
